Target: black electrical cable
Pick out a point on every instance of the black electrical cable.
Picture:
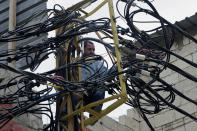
(148, 97)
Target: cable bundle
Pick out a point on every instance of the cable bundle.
(141, 55)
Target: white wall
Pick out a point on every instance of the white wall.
(169, 119)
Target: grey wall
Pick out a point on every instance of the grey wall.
(24, 9)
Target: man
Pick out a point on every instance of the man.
(94, 70)
(88, 48)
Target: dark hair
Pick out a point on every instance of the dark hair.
(87, 42)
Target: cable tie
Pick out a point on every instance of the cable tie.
(140, 56)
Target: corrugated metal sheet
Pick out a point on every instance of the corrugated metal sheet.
(24, 9)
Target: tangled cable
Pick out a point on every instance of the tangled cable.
(141, 54)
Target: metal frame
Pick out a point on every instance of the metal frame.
(122, 97)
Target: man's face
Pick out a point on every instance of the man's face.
(89, 50)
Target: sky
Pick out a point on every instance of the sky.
(172, 10)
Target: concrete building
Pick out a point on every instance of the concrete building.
(169, 119)
(24, 9)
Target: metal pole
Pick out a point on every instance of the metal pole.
(12, 25)
(116, 42)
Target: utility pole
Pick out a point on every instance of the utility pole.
(12, 25)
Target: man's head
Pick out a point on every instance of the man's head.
(88, 48)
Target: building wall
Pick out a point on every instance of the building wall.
(24, 9)
(25, 122)
(169, 119)
(108, 124)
